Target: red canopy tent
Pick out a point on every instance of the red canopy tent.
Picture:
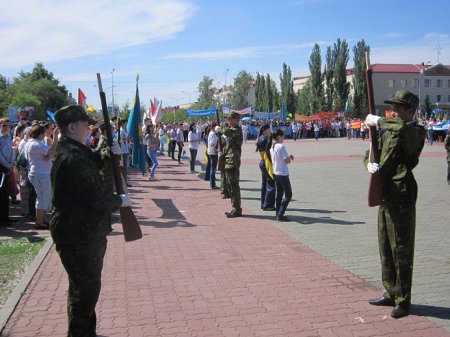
(317, 116)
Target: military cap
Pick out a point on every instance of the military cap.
(404, 97)
(234, 115)
(265, 127)
(70, 114)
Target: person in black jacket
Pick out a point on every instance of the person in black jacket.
(82, 201)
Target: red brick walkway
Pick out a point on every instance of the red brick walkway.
(197, 273)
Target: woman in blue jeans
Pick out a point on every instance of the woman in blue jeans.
(280, 160)
(152, 145)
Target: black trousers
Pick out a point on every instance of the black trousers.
(283, 194)
(83, 264)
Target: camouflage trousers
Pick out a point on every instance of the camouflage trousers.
(83, 264)
(231, 177)
(396, 236)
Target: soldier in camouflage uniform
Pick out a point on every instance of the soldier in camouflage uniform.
(232, 152)
(401, 141)
(447, 147)
(82, 203)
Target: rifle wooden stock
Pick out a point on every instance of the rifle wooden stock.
(130, 225)
(374, 194)
(221, 158)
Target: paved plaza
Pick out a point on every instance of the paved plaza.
(197, 273)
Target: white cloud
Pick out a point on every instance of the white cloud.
(50, 30)
(244, 53)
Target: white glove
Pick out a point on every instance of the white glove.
(126, 201)
(372, 120)
(220, 154)
(373, 167)
(218, 129)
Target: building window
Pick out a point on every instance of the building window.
(449, 98)
(403, 83)
(391, 83)
(427, 97)
(427, 84)
(438, 83)
(438, 98)
(415, 83)
(448, 84)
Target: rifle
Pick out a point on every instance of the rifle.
(221, 159)
(130, 225)
(374, 194)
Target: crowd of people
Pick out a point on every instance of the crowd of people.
(55, 165)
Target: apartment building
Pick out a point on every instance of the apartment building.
(421, 79)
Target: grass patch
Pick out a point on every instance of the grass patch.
(15, 256)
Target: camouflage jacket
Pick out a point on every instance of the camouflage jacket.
(233, 147)
(447, 146)
(400, 144)
(81, 199)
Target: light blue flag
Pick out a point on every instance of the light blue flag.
(134, 129)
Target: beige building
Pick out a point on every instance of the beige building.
(422, 80)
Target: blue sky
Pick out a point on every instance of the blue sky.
(172, 44)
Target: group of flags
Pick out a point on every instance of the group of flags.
(134, 124)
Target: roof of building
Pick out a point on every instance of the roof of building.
(398, 68)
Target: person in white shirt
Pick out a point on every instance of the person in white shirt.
(194, 141)
(212, 152)
(280, 160)
(162, 138)
(245, 128)
(38, 155)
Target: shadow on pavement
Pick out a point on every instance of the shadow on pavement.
(168, 224)
(430, 311)
(304, 220)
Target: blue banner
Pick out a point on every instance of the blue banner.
(195, 113)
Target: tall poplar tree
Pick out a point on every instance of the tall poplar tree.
(267, 98)
(329, 74)
(360, 102)
(206, 93)
(287, 89)
(341, 86)
(316, 90)
(259, 92)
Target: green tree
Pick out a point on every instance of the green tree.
(341, 86)
(124, 111)
(5, 96)
(329, 74)
(239, 93)
(287, 89)
(304, 99)
(23, 98)
(267, 98)
(427, 105)
(259, 92)
(40, 83)
(316, 86)
(360, 101)
(206, 93)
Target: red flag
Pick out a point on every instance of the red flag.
(152, 108)
(81, 98)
